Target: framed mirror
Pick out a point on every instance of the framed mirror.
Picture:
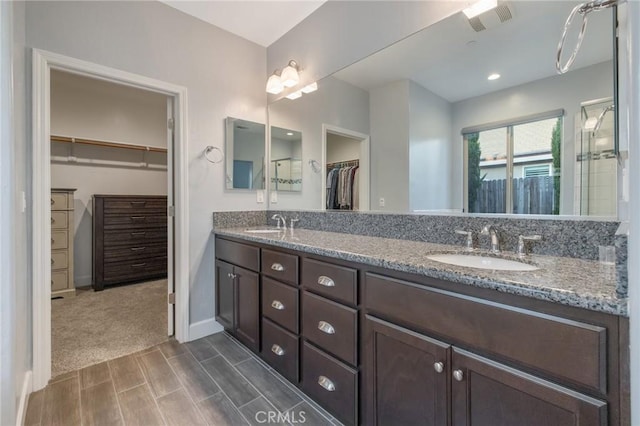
(285, 168)
(423, 100)
(245, 154)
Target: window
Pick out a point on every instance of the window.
(514, 167)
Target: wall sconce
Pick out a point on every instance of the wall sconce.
(294, 95)
(274, 83)
(310, 88)
(289, 76)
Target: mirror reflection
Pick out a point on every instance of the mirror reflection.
(244, 146)
(286, 160)
(472, 117)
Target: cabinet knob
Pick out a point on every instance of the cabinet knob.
(325, 327)
(277, 267)
(276, 304)
(439, 367)
(326, 383)
(52, 261)
(457, 374)
(326, 281)
(277, 349)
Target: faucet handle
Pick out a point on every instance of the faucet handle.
(469, 236)
(522, 243)
(292, 221)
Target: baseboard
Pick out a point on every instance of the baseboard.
(204, 328)
(24, 398)
(85, 281)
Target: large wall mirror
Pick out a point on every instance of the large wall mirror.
(471, 116)
(245, 155)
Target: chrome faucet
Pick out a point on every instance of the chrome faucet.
(280, 219)
(493, 233)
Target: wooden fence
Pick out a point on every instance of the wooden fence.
(532, 195)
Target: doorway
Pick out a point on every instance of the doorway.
(44, 63)
(347, 151)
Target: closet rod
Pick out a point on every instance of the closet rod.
(348, 163)
(67, 139)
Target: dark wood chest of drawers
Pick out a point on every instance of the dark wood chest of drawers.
(129, 239)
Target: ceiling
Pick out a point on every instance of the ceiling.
(262, 22)
(453, 61)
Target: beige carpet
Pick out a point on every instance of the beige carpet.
(97, 326)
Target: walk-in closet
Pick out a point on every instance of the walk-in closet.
(342, 173)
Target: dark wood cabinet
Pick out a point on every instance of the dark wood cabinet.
(237, 303)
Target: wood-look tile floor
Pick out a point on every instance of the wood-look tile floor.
(211, 381)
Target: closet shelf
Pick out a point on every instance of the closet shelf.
(68, 139)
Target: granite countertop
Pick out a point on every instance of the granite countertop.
(574, 282)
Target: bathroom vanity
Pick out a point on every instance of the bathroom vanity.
(378, 334)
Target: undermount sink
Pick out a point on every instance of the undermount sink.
(482, 262)
(262, 231)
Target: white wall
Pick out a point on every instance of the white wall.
(389, 115)
(224, 75)
(336, 103)
(429, 154)
(342, 148)
(562, 91)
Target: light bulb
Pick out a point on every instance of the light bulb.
(289, 76)
(274, 84)
(294, 95)
(310, 88)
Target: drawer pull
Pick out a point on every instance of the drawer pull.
(138, 248)
(439, 367)
(457, 374)
(53, 221)
(276, 349)
(276, 304)
(52, 261)
(140, 218)
(326, 383)
(326, 281)
(325, 327)
(138, 203)
(138, 234)
(277, 267)
(53, 201)
(138, 265)
(232, 276)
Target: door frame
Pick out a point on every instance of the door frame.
(42, 63)
(364, 163)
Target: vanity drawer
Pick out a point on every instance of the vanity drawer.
(59, 280)
(60, 200)
(59, 240)
(59, 220)
(278, 265)
(335, 282)
(239, 254)
(59, 259)
(280, 304)
(330, 383)
(280, 350)
(572, 351)
(331, 326)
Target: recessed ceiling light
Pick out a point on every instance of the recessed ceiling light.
(479, 7)
(493, 76)
(289, 133)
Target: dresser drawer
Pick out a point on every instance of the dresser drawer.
(239, 254)
(59, 259)
(134, 252)
(330, 383)
(331, 326)
(278, 265)
(280, 350)
(135, 269)
(135, 220)
(59, 220)
(60, 200)
(59, 280)
(135, 205)
(569, 350)
(134, 237)
(280, 304)
(59, 240)
(335, 282)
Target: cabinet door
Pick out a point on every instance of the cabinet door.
(406, 376)
(248, 307)
(485, 392)
(225, 295)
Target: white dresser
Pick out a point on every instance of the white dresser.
(62, 284)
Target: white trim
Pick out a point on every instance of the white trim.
(204, 328)
(365, 158)
(42, 63)
(24, 398)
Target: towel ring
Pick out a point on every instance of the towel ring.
(315, 166)
(215, 159)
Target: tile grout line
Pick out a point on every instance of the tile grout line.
(113, 384)
(153, 397)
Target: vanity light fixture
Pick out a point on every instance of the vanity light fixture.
(274, 84)
(493, 76)
(294, 95)
(479, 7)
(289, 76)
(310, 88)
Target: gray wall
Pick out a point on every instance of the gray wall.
(336, 103)
(223, 73)
(564, 91)
(340, 33)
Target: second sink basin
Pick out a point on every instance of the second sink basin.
(482, 262)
